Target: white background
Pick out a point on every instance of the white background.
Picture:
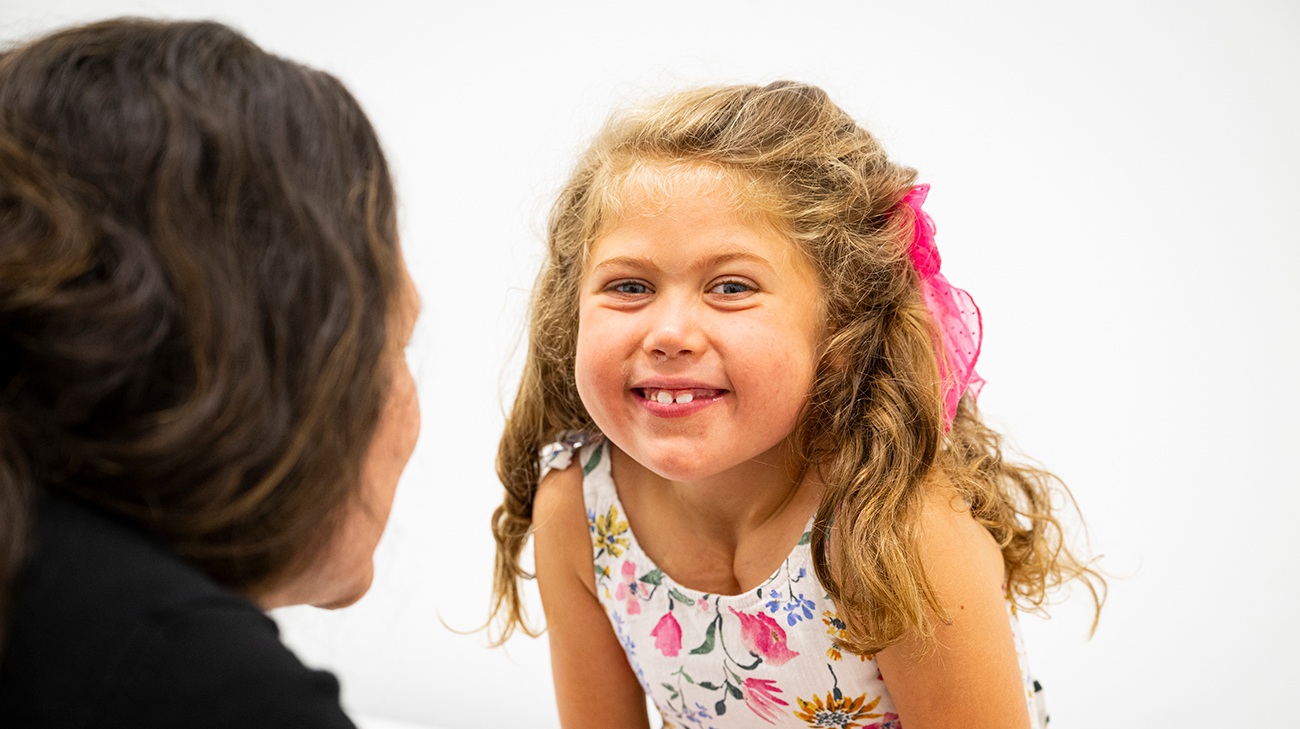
(1114, 181)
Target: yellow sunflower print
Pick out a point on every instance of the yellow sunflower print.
(836, 629)
(841, 713)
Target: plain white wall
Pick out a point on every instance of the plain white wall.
(1115, 182)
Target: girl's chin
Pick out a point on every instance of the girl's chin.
(692, 458)
(681, 463)
(679, 474)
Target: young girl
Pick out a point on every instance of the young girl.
(753, 396)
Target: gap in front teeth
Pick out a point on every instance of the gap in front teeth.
(663, 397)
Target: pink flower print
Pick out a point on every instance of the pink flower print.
(668, 635)
(890, 721)
(764, 638)
(627, 589)
(760, 697)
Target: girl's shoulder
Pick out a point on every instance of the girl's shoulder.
(948, 537)
(951, 542)
(560, 490)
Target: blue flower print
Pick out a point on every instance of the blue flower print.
(698, 715)
(775, 603)
(796, 608)
(628, 644)
(799, 608)
(640, 675)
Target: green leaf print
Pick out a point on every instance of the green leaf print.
(653, 577)
(679, 597)
(806, 538)
(733, 673)
(709, 685)
(592, 462)
(735, 692)
(709, 635)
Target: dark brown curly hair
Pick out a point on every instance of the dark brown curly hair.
(198, 264)
(873, 425)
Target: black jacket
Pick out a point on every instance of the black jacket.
(110, 629)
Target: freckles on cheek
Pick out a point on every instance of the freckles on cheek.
(581, 365)
(587, 365)
(595, 374)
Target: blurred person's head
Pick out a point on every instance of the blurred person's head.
(203, 305)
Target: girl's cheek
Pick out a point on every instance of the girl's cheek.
(585, 368)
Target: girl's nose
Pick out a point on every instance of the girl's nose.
(674, 333)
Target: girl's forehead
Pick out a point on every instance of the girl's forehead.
(650, 189)
(647, 191)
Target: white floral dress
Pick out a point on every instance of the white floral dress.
(764, 657)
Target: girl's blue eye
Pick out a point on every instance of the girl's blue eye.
(633, 288)
(731, 287)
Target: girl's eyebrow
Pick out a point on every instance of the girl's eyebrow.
(645, 264)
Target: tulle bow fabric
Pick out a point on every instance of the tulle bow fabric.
(955, 314)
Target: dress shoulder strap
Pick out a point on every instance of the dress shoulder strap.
(558, 455)
(591, 452)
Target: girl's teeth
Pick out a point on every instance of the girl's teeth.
(664, 397)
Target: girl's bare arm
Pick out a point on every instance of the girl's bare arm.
(594, 685)
(971, 676)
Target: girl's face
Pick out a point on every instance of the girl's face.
(699, 331)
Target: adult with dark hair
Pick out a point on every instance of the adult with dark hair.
(204, 404)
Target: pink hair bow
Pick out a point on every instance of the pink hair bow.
(956, 316)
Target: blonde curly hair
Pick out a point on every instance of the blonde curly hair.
(872, 428)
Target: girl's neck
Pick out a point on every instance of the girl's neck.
(723, 534)
(772, 487)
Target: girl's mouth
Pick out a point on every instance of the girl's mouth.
(679, 397)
